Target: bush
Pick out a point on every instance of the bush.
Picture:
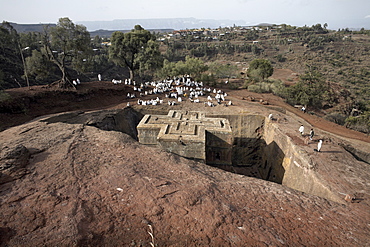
(360, 123)
(233, 86)
(336, 117)
(277, 87)
(208, 78)
(261, 87)
(11, 105)
(260, 69)
(4, 96)
(280, 58)
(272, 86)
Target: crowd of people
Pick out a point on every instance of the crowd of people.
(175, 91)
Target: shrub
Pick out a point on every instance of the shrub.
(4, 96)
(233, 86)
(208, 78)
(280, 58)
(360, 123)
(10, 105)
(260, 87)
(272, 86)
(336, 117)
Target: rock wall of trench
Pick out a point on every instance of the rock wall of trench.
(262, 150)
(288, 163)
(248, 139)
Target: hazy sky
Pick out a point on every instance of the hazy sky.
(336, 13)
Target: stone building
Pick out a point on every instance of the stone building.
(189, 134)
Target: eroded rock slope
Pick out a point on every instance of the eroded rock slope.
(78, 185)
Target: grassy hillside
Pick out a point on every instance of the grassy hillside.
(329, 71)
(340, 57)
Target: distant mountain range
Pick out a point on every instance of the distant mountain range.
(160, 23)
(106, 28)
(108, 33)
(24, 28)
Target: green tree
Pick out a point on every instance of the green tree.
(10, 57)
(359, 123)
(150, 59)
(191, 66)
(132, 49)
(194, 67)
(223, 70)
(31, 40)
(39, 66)
(168, 70)
(66, 45)
(260, 69)
(100, 60)
(311, 90)
(251, 35)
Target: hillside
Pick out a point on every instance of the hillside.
(338, 59)
(342, 58)
(329, 70)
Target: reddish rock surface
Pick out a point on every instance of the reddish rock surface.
(85, 186)
(78, 185)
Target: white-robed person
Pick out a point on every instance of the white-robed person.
(301, 129)
(319, 145)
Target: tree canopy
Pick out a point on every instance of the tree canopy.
(10, 58)
(65, 45)
(134, 50)
(260, 69)
(311, 90)
(192, 66)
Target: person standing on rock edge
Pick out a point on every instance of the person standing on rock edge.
(301, 129)
(303, 109)
(319, 145)
(312, 133)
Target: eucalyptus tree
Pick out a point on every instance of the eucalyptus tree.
(260, 69)
(66, 45)
(136, 50)
(11, 57)
(311, 90)
(193, 67)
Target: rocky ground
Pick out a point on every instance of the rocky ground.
(68, 181)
